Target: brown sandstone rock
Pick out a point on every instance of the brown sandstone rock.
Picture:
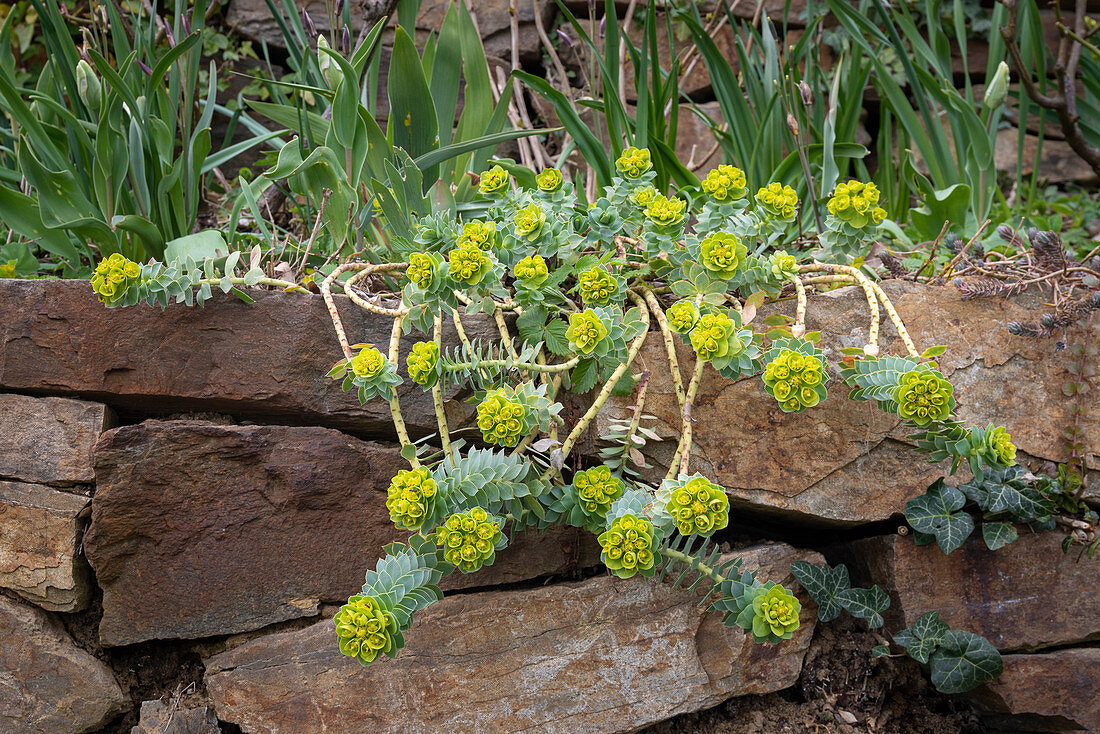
(49, 685)
(1025, 596)
(160, 718)
(48, 440)
(1049, 692)
(40, 533)
(200, 529)
(269, 357)
(600, 655)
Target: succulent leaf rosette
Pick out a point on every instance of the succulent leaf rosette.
(770, 613)
(596, 489)
(549, 180)
(368, 371)
(794, 374)
(725, 184)
(482, 235)
(997, 446)
(494, 182)
(628, 546)
(469, 264)
(423, 270)
(411, 498)
(778, 201)
(503, 420)
(634, 163)
(469, 540)
(597, 286)
(712, 336)
(113, 277)
(531, 271)
(366, 630)
(698, 506)
(642, 195)
(682, 316)
(529, 222)
(923, 396)
(423, 363)
(665, 213)
(784, 265)
(587, 332)
(722, 254)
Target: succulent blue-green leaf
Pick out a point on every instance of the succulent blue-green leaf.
(866, 604)
(936, 512)
(209, 243)
(824, 584)
(964, 661)
(923, 636)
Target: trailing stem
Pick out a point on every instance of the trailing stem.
(395, 405)
(684, 558)
(330, 302)
(437, 394)
(670, 345)
(683, 450)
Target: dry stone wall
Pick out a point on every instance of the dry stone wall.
(187, 485)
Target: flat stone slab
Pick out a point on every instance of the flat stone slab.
(1025, 596)
(48, 440)
(601, 655)
(157, 717)
(265, 358)
(40, 532)
(47, 684)
(201, 529)
(1047, 692)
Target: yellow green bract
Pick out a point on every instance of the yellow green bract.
(778, 200)
(409, 496)
(493, 182)
(628, 546)
(784, 265)
(642, 196)
(712, 335)
(469, 264)
(924, 396)
(775, 613)
(722, 254)
(597, 489)
(856, 203)
(368, 363)
(999, 444)
(482, 235)
(529, 221)
(365, 629)
(421, 270)
(796, 380)
(597, 286)
(113, 276)
(422, 361)
(665, 212)
(724, 184)
(502, 421)
(469, 539)
(634, 162)
(532, 271)
(586, 330)
(682, 316)
(699, 507)
(549, 180)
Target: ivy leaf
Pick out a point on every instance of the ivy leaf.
(880, 651)
(824, 584)
(964, 661)
(920, 538)
(866, 604)
(923, 636)
(936, 512)
(998, 534)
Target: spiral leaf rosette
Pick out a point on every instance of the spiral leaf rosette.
(795, 375)
(596, 489)
(368, 371)
(366, 630)
(698, 506)
(423, 363)
(469, 540)
(113, 277)
(494, 182)
(634, 163)
(628, 546)
(997, 446)
(411, 498)
(725, 184)
(923, 396)
(778, 201)
(722, 254)
(597, 286)
(769, 612)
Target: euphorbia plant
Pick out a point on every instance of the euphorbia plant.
(574, 290)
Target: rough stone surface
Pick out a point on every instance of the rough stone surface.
(1058, 163)
(269, 357)
(47, 684)
(40, 533)
(158, 717)
(847, 462)
(1050, 692)
(600, 655)
(48, 440)
(1027, 595)
(200, 529)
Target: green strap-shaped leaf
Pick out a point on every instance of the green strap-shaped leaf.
(824, 584)
(21, 214)
(964, 661)
(936, 512)
(923, 636)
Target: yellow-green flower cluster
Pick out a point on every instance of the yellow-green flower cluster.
(549, 180)
(365, 630)
(7, 270)
(775, 614)
(856, 203)
(597, 489)
(682, 316)
(796, 380)
(532, 271)
(724, 184)
(699, 507)
(529, 221)
(502, 421)
(368, 363)
(628, 546)
(469, 264)
(924, 396)
(422, 362)
(784, 265)
(597, 286)
(778, 201)
(482, 235)
(113, 276)
(494, 182)
(410, 495)
(634, 163)
(469, 539)
(586, 330)
(641, 197)
(421, 270)
(665, 212)
(722, 254)
(997, 444)
(712, 335)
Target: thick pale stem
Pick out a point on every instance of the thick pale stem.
(868, 292)
(395, 405)
(896, 320)
(364, 304)
(670, 345)
(799, 328)
(461, 331)
(683, 450)
(437, 395)
(505, 334)
(273, 282)
(330, 302)
(687, 560)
